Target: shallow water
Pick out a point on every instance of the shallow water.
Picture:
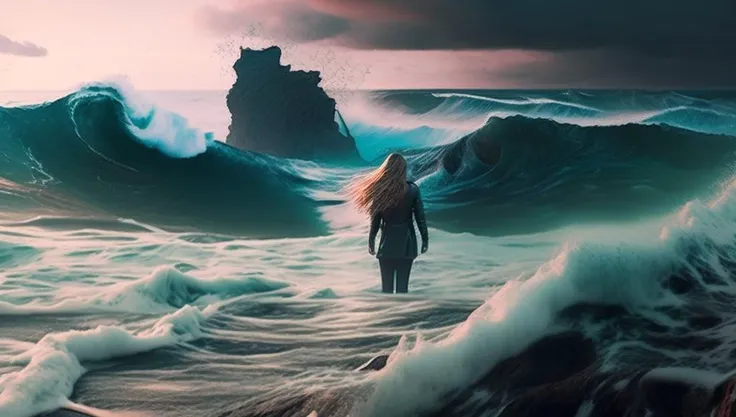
(296, 310)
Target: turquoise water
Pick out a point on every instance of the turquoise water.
(138, 319)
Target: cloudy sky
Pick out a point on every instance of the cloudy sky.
(191, 44)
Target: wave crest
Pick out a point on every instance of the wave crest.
(152, 126)
(162, 291)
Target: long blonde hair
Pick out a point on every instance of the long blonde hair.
(381, 189)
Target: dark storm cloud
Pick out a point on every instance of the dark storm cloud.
(10, 47)
(492, 24)
(607, 68)
(662, 42)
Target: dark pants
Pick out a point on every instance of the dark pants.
(395, 270)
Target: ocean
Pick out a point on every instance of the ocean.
(147, 269)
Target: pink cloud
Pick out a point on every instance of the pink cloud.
(286, 19)
(11, 47)
(362, 11)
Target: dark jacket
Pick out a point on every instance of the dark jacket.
(398, 237)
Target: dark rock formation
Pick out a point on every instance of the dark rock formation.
(550, 359)
(282, 112)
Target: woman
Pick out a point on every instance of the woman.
(391, 201)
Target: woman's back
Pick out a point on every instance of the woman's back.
(398, 237)
(403, 211)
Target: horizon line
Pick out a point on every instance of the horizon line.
(193, 90)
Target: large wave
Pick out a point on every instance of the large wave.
(102, 152)
(520, 174)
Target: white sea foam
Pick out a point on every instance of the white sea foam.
(154, 126)
(55, 363)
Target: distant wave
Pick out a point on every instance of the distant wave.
(542, 105)
(460, 110)
(702, 120)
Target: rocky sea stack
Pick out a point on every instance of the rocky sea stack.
(282, 112)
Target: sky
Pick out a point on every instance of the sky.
(372, 44)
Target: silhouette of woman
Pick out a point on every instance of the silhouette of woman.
(392, 201)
